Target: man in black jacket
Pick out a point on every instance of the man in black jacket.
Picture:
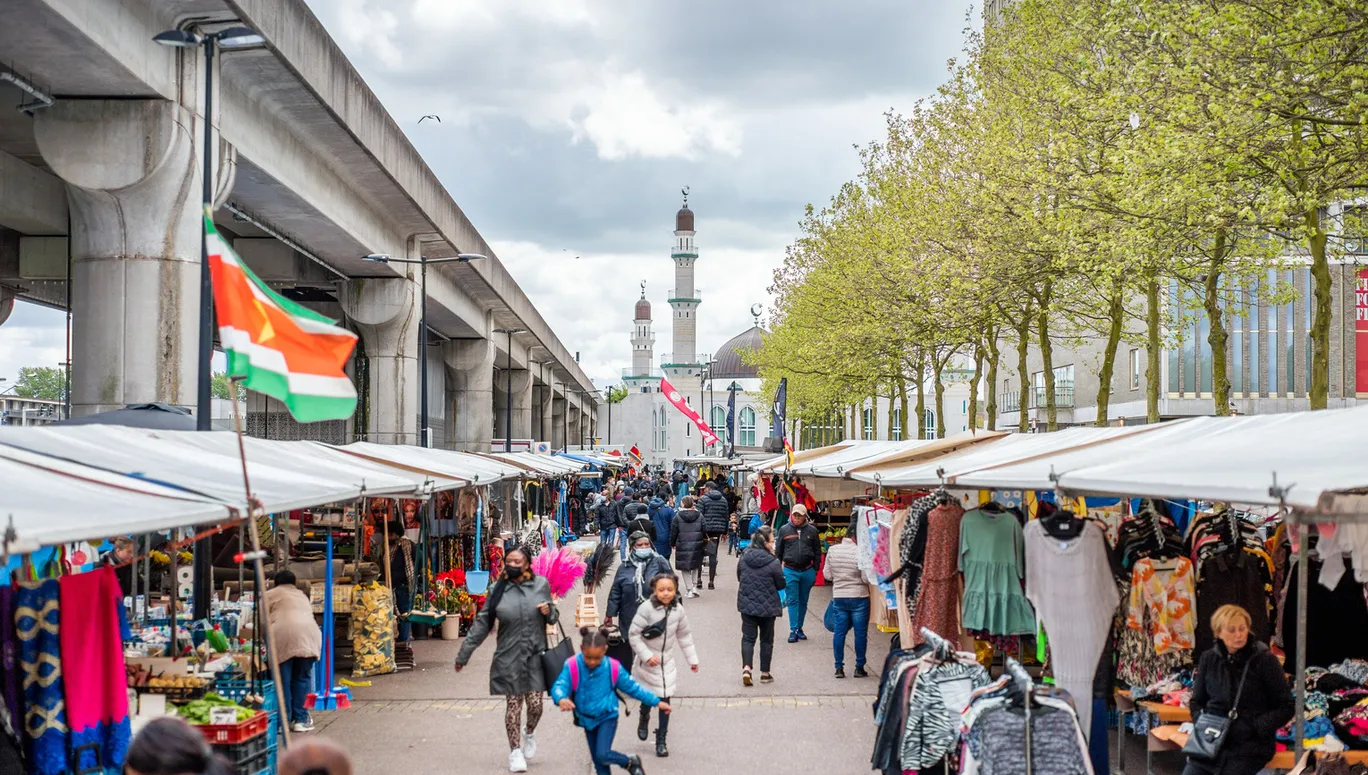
(716, 520)
(799, 550)
(606, 513)
(638, 515)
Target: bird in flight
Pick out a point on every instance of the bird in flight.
(435, 117)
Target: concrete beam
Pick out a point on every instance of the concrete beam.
(31, 201)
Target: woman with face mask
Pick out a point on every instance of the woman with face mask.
(521, 604)
(631, 588)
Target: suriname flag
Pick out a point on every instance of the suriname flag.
(276, 346)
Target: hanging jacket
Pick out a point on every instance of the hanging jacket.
(663, 679)
(661, 516)
(760, 578)
(687, 538)
(716, 513)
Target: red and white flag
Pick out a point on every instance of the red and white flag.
(673, 396)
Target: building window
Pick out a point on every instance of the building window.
(929, 424)
(747, 431)
(896, 432)
(719, 423)
(869, 423)
(1135, 369)
(655, 431)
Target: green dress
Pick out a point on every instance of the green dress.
(992, 559)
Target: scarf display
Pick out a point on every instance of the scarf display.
(9, 653)
(93, 624)
(36, 621)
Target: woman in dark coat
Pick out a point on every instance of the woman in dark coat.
(521, 603)
(687, 536)
(1265, 704)
(757, 598)
(632, 587)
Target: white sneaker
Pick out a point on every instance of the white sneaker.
(516, 761)
(529, 746)
(307, 726)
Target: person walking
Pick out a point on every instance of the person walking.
(800, 549)
(632, 587)
(662, 515)
(588, 686)
(606, 513)
(688, 538)
(624, 497)
(849, 601)
(639, 517)
(660, 625)
(1240, 678)
(400, 552)
(298, 644)
(759, 578)
(521, 605)
(716, 518)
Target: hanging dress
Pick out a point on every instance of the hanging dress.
(992, 558)
(938, 601)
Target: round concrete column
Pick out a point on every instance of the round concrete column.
(386, 313)
(470, 368)
(522, 400)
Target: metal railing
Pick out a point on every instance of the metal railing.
(1009, 402)
(1064, 397)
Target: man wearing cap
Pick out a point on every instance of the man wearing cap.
(800, 549)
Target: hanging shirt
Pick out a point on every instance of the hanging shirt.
(1168, 593)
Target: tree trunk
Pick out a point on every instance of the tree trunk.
(940, 396)
(1152, 349)
(902, 406)
(1116, 312)
(974, 386)
(921, 396)
(1047, 360)
(1320, 321)
(1023, 330)
(1217, 338)
(990, 393)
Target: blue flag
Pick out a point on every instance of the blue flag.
(731, 423)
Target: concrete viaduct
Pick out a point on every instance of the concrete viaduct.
(100, 148)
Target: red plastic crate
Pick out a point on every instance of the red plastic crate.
(223, 734)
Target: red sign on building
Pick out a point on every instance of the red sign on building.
(1361, 330)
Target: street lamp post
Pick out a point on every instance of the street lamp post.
(233, 37)
(463, 258)
(508, 388)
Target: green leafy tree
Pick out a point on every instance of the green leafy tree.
(617, 394)
(45, 382)
(220, 386)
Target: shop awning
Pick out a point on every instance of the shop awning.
(546, 465)
(595, 463)
(1034, 474)
(1011, 448)
(474, 469)
(1312, 454)
(709, 460)
(50, 501)
(888, 454)
(172, 460)
(780, 462)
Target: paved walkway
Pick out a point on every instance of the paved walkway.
(432, 719)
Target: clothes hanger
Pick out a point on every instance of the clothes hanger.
(1062, 524)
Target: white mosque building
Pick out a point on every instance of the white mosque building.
(645, 419)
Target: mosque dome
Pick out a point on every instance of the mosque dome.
(684, 219)
(730, 364)
(643, 308)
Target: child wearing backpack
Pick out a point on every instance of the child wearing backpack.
(588, 685)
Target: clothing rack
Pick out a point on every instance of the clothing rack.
(1026, 686)
(944, 649)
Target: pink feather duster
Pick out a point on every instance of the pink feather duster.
(561, 568)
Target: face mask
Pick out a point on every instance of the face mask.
(642, 554)
(511, 573)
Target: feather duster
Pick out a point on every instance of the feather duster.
(599, 563)
(561, 568)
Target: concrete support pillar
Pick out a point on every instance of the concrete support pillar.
(133, 185)
(574, 427)
(522, 400)
(6, 304)
(386, 312)
(558, 422)
(548, 413)
(592, 423)
(470, 368)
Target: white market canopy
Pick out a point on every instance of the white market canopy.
(781, 462)
(198, 466)
(708, 460)
(470, 468)
(546, 465)
(49, 501)
(1011, 448)
(1312, 455)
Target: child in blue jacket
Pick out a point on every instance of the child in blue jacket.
(588, 685)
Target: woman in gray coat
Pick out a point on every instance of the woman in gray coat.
(521, 603)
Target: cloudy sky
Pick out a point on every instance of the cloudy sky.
(568, 129)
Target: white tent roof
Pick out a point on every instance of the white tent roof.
(169, 458)
(807, 455)
(1311, 453)
(542, 464)
(50, 501)
(836, 462)
(1007, 449)
(1034, 474)
(474, 469)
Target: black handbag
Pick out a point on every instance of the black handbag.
(657, 628)
(553, 659)
(1209, 730)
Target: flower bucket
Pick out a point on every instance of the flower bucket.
(451, 628)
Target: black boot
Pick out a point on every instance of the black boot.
(644, 724)
(634, 765)
(661, 750)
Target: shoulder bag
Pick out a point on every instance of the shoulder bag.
(553, 659)
(1209, 730)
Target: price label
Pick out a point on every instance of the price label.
(219, 716)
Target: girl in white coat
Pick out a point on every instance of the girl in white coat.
(659, 626)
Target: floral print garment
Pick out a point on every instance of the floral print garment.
(1169, 595)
